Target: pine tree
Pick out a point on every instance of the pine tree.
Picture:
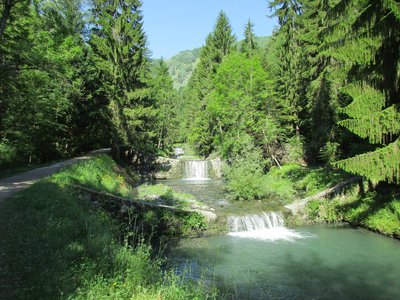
(249, 45)
(165, 97)
(219, 43)
(290, 83)
(374, 84)
(119, 43)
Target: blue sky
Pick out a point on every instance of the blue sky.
(175, 25)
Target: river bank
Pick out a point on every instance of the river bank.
(55, 245)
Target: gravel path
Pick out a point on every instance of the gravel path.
(11, 185)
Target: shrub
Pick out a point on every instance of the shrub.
(8, 153)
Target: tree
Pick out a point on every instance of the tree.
(165, 97)
(119, 44)
(249, 44)
(374, 85)
(219, 43)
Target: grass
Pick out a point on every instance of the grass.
(308, 181)
(279, 185)
(166, 195)
(376, 211)
(99, 173)
(55, 246)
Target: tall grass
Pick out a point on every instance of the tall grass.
(54, 246)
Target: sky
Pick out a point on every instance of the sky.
(175, 25)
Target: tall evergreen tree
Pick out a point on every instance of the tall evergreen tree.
(249, 44)
(374, 85)
(165, 96)
(219, 43)
(119, 43)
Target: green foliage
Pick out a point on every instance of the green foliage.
(46, 83)
(192, 222)
(373, 112)
(324, 211)
(8, 154)
(166, 104)
(247, 181)
(249, 44)
(121, 58)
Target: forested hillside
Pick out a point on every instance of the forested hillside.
(182, 64)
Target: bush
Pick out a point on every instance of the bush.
(8, 154)
(247, 181)
(245, 176)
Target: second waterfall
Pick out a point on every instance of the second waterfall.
(197, 170)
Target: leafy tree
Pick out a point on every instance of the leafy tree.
(40, 55)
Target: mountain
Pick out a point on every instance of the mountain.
(182, 64)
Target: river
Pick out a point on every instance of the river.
(263, 259)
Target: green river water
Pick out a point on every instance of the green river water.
(308, 262)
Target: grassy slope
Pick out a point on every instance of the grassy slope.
(379, 212)
(54, 246)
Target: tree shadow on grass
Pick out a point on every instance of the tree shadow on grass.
(50, 243)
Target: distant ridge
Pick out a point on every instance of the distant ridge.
(182, 64)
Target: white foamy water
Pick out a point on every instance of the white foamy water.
(271, 234)
(196, 170)
(262, 226)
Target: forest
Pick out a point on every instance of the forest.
(321, 95)
(325, 90)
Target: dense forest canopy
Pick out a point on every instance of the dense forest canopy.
(323, 90)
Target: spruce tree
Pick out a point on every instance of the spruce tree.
(372, 51)
(119, 43)
(249, 45)
(219, 43)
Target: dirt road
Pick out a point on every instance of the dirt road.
(11, 185)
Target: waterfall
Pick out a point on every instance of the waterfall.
(256, 222)
(196, 169)
(263, 226)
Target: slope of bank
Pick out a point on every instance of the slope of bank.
(333, 196)
(378, 210)
(54, 245)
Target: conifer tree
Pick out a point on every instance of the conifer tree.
(290, 80)
(372, 51)
(219, 43)
(119, 43)
(165, 96)
(249, 45)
